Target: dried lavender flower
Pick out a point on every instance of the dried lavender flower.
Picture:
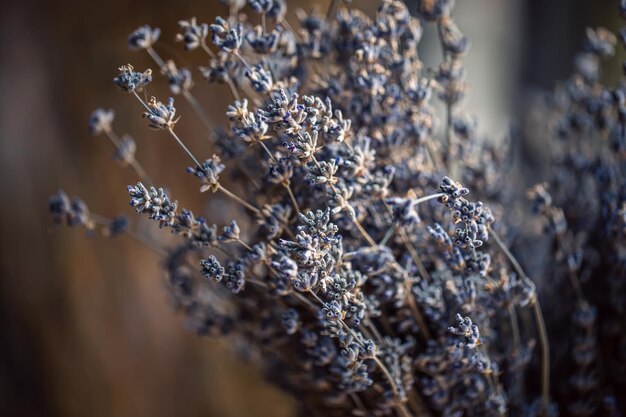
(100, 121)
(125, 151)
(226, 37)
(143, 37)
(131, 81)
(153, 202)
(209, 173)
(161, 116)
(179, 78)
(193, 35)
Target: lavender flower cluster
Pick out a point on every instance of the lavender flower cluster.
(357, 273)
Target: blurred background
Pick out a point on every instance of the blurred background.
(86, 327)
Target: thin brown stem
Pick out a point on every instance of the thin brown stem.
(414, 255)
(208, 50)
(364, 233)
(155, 57)
(187, 151)
(244, 244)
(359, 404)
(233, 89)
(515, 328)
(292, 197)
(267, 151)
(141, 172)
(197, 108)
(238, 200)
(242, 60)
(331, 9)
(545, 355)
(143, 103)
(410, 297)
(368, 321)
(389, 233)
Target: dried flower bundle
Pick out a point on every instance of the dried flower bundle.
(366, 269)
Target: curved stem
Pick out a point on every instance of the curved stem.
(545, 355)
(540, 323)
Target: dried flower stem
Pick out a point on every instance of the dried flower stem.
(573, 278)
(143, 103)
(540, 323)
(292, 197)
(331, 9)
(448, 141)
(195, 105)
(238, 199)
(516, 342)
(410, 297)
(545, 355)
(364, 233)
(233, 89)
(155, 56)
(399, 406)
(358, 403)
(182, 145)
(414, 255)
(105, 221)
(389, 233)
(267, 151)
(242, 60)
(370, 324)
(514, 328)
(208, 50)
